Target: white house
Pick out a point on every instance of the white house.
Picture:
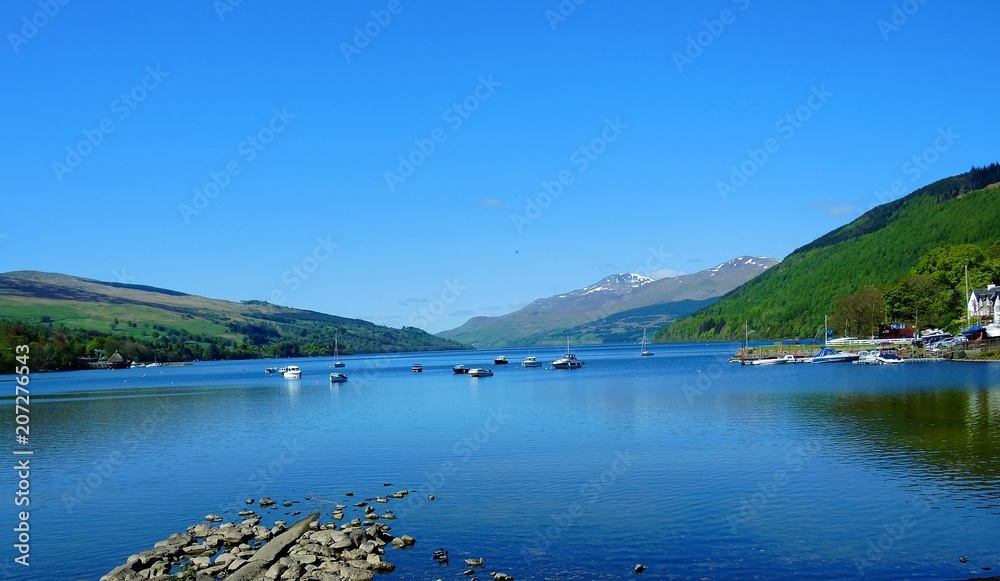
(984, 303)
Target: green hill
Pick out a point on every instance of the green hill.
(879, 249)
(67, 317)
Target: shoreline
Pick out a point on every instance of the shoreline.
(308, 549)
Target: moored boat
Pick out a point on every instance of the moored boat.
(889, 357)
(460, 369)
(417, 368)
(531, 361)
(568, 361)
(270, 370)
(292, 372)
(500, 360)
(828, 355)
(643, 352)
(338, 377)
(480, 372)
(774, 360)
(336, 353)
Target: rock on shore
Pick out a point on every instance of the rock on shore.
(247, 551)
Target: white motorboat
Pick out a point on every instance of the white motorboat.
(828, 355)
(868, 357)
(417, 368)
(338, 377)
(480, 372)
(568, 361)
(774, 360)
(292, 372)
(531, 361)
(643, 352)
(889, 357)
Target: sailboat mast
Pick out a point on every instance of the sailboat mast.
(968, 298)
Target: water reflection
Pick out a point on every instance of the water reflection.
(948, 436)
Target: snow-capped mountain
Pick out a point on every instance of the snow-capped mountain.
(594, 310)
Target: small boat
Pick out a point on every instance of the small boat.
(500, 360)
(337, 378)
(292, 372)
(889, 357)
(774, 360)
(828, 355)
(643, 352)
(568, 361)
(336, 353)
(480, 372)
(417, 368)
(460, 369)
(867, 357)
(531, 361)
(270, 370)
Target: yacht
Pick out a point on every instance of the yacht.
(774, 360)
(568, 361)
(500, 360)
(460, 369)
(336, 353)
(643, 351)
(531, 361)
(417, 368)
(868, 358)
(292, 372)
(889, 357)
(828, 355)
(480, 372)
(338, 377)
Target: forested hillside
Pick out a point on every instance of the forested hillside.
(879, 250)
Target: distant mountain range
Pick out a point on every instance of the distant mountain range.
(879, 248)
(615, 309)
(173, 325)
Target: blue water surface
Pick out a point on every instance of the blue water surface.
(692, 466)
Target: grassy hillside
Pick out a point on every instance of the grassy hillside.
(81, 315)
(878, 249)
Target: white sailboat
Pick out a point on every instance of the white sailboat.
(336, 353)
(643, 351)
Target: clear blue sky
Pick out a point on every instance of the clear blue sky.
(641, 108)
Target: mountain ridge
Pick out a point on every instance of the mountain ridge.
(592, 312)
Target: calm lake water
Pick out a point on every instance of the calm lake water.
(692, 466)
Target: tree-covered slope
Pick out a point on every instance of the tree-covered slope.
(878, 249)
(73, 317)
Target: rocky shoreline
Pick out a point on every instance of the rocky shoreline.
(308, 549)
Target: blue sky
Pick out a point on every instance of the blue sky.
(405, 175)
